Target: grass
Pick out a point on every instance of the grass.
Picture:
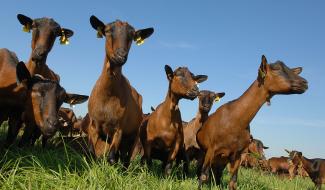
(64, 168)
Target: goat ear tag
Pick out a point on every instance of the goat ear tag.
(64, 40)
(26, 28)
(99, 32)
(139, 41)
(217, 99)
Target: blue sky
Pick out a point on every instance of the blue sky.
(224, 40)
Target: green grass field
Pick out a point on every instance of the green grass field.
(64, 168)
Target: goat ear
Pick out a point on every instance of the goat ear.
(297, 70)
(23, 75)
(152, 109)
(97, 25)
(262, 70)
(265, 147)
(25, 21)
(200, 78)
(169, 72)
(287, 151)
(218, 96)
(73, 99)
(67, 32)
(142, 34)
(299, 154)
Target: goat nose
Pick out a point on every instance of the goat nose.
(52, 122)
(121, 52)
(38, 52)
(195, 88)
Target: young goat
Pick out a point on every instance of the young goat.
(164, 131)
(206, 99)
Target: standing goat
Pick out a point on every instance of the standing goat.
(225, 134)
(115, 107)
(163, 136)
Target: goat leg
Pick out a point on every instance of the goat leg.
(114, 147)
(206, 167)
(27, 136)
(146, 152)
(233, 170)
(14, 125)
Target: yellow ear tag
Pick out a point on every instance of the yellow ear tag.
(99, 32)
(64, 40)
(139, 41)
(217, 99)
(26, 28)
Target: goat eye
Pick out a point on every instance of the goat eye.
(38, 94)
(276, 68)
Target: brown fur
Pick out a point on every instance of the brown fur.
(164, 132)
(69, 122)
(225, 134)
(206, 99)
(254, 155)
(115, 107)
(278, 165)
(43, 99)
(314, 167)
(12, 97)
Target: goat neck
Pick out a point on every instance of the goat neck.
(250, 102)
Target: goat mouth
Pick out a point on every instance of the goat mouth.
(205, 108)
(299, 89)
(49, 130)
(37, 58)
(119, 60)
(191, 95)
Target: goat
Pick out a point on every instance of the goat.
(314, 167)
(163, 137)
(225, 134)
(115, 107)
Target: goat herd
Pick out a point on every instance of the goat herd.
(30, 95)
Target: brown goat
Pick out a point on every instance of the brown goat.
(115, 107)
(254, 155)
(278, 165)
(225, 134)
(138, 148)
(68, 121)
(42, 96)
(162, 138)
(206, 99)
(45, 31)
(67, 124)
(314, 167)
